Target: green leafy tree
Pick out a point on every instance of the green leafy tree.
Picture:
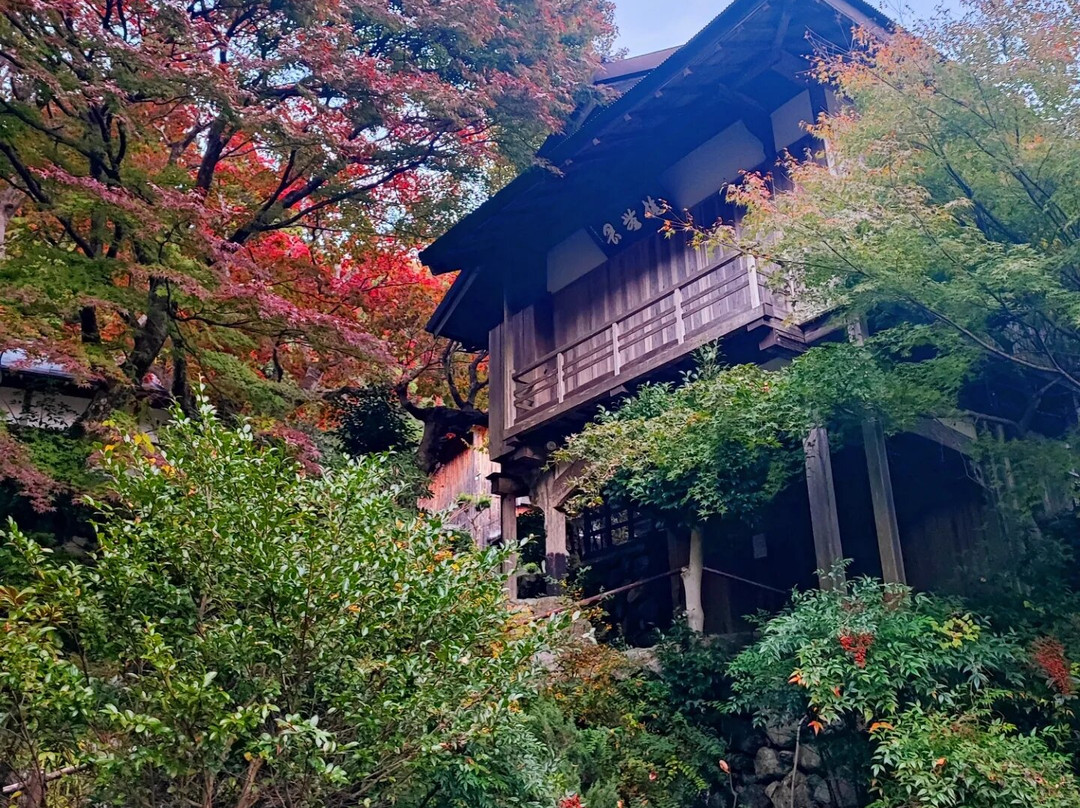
(369, 420)
(935, 759)
(250, 635)
(634, 737)
(949, 198)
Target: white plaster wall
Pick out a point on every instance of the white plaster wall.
(718, 160)
(789, 118)
(54, 411)
(571, 258)
(46, 410)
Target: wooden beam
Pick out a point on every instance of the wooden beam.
(528, 455)
(823, 514)
(506, 372)
(946, 434)
(881, 489)
(565, 483)
(503, 483)
(783, 341)
(881, 494)
(497, 398)
(782, 26)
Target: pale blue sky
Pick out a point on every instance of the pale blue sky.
(648, 25)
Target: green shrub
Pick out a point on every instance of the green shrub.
(631, 737)
(246, 631)
(925, 684)
(932, 758)
(370, 420)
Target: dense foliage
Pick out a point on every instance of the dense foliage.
(236, 190)
(635, 737)
(370, 420)
(935, 691)
(249, 635)
(949, 199)
(726, 440)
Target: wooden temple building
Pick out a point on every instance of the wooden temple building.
(566, 280)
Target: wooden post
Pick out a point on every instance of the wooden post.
(680, 323)
(616, 365)
(823, 515)
(678, 549)
(508, 529)
(691, 576)
(554, 531)
(509, 393)
(755, 282)
(881, 490)
(881, 493)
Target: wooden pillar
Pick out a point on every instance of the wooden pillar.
(678, 548)
(881, 490)
(554, 532)
(555, 547)
(881, 493)
(508, 529)
(823, 515)
(691, 575)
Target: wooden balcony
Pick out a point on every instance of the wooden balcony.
(725, 296)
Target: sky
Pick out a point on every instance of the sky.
(649, 25)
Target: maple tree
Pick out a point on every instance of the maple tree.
(948, 202)
(234, 189)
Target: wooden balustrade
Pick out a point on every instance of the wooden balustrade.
(702, 307)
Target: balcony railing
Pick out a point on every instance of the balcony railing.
(704, 306)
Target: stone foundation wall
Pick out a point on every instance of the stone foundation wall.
(781, 767)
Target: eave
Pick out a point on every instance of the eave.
(660, 94)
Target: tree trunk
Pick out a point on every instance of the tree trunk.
(181, 389)
(88, 325)
(151, 336)
(9, 204)
(691, 575)
(111, 397)
(442, 425)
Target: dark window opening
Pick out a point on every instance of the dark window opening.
(604, 528)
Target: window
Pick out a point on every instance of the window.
(598, 530)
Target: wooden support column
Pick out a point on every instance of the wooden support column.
(508, 529)
(554, 531)
(881, 492)
(678, 549)
(691, 575)
(823, 515)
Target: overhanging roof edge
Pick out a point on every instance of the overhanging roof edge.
(451, 251)
(438, 257)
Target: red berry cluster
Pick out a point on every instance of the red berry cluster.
(573, 801)
(857, 645)
(1049, 655)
